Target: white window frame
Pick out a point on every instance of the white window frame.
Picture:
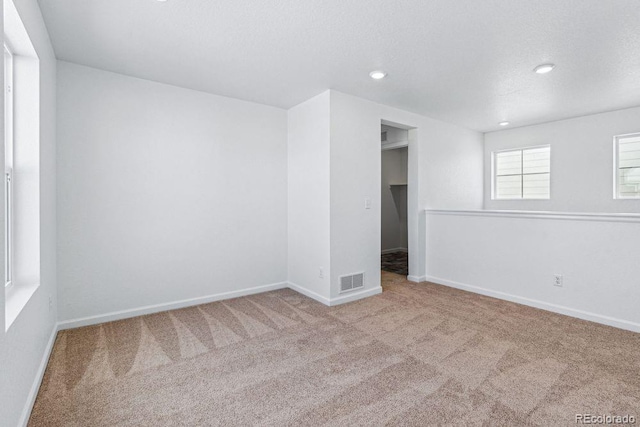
(494, 192)
(616, 166)
(8, 170)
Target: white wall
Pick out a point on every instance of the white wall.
(24, 346)
(335, 164)
(445, 171)
(164, 194)
(308, 196)
(393, 201)
(581, 162)
(515, 257)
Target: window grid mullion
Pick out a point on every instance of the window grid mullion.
(500, 189)
(522, 174)
(621, 181)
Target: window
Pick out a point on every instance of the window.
(22, 165)
(8, 164)
(627, 166)
(522, 174)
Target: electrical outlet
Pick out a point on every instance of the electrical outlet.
(321, 273)
(557, 280)
(50, 303)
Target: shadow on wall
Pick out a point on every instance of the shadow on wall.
(394, 199)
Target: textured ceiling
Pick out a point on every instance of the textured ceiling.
(467, 62)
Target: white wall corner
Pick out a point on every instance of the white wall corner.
(33, 392)
(308, 293)
(342, 299)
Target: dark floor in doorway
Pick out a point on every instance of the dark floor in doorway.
(396, 262)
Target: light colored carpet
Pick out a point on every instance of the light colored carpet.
(417, 354)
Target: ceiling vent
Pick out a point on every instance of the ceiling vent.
(351, 282)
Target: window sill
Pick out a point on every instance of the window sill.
(16, 298)
(523, 199)
(574, 216)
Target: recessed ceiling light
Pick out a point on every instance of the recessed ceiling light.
(504, 123)
(377, 75)
(544, 68)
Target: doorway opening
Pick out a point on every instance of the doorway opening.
(394, 144)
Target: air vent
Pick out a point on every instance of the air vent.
(351, 282)
(384, 136)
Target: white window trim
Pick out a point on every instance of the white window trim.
(8, 172)
(26, 228)
(616, 166)
(493, 173)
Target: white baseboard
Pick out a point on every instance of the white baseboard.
(353, 296)
(124, 314)
(567, 311)
(140, 311)
(33, 393)
(306, 292)
(392, 250)
(342, 299)
(35, 387)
